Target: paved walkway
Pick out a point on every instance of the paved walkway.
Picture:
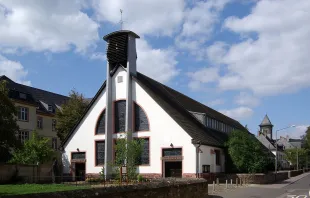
(296, 184)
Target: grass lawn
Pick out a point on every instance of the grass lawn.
(19, 189)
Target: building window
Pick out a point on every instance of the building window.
(22, 96)
(218, 157)
(144, 159)
(100, 129)
(50, 108)
(54, 143)
(22, 113)
(100, 152)
(23, 136)
(39, 122)
(120, 115)
(205, 168)
(172, 152)
(54, 122)
(141, 121)
(78, 155)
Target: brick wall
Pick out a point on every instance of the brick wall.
(184, 189)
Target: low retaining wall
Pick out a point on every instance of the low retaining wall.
(167, 189)
(260, 178)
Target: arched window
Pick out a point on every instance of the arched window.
(120, 115)
(100, 128)
(141, 121)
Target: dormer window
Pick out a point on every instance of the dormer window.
(50, 108)
(22, 96)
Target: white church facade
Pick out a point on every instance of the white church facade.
(183, 138)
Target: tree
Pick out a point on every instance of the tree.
(247, 153)
(71, 112)
(291, 156)
(8, 125)
(35, 150)
(306, 138)
(129, 153)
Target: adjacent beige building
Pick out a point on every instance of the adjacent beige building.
(36, 110)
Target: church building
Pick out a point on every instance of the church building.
(183, 138)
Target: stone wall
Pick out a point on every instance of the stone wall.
(294, 173)
(163, 189)
(25, 173)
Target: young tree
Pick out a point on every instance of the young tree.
(247, 153)
(35, 150)
(306, 138)
(8, 125)
(129, 153)
(70, 114)
(291, 156)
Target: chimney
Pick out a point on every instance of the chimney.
(121, 52)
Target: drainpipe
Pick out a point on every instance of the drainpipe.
(197, 146)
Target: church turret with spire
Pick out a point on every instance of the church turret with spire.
(266, 127)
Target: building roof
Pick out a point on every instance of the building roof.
(34, 96)
(178, 105)
(266, 121)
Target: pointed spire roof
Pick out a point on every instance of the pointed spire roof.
(266, 121)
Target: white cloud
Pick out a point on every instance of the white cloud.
(204, 75)
(246, 99)
(198, 25)
(273, 58)
(295, 132)
(216, 102)
(142, 16)
(159, 64)
(13, 70)
(98, 56)
(238, 113)
(54, 26)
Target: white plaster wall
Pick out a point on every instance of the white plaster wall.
(163, 131)
(206, 158)
(119, 89)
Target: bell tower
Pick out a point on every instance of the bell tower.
(121, 52)
(266, 127)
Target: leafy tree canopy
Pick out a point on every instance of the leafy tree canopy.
(247, 153)
(306, 138)
(71, 112)
(36, 149)
(8, 125)
(291, 156)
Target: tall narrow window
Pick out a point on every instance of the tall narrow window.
(144, 159)
(100, 129)
(100, 151)
(22, 113)
(120, 115)
(54, 125)
(39, 122)
(218, 157)
(141, 121)
(54, 143)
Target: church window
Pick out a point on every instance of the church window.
(120, 115)
(218, 157)
(100, 128)
(100, 152)
(144, 159)
(141, 120)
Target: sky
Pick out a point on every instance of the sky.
(243, 58)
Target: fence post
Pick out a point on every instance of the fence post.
(236, 181)
(213, 186)
(217, 181)
(226, 184)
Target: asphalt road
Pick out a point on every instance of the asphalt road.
(298, 189)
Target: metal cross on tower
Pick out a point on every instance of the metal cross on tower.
(121, 21)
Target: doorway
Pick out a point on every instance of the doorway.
(173, 169)
(79, 171)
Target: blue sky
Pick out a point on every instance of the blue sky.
(242, 58)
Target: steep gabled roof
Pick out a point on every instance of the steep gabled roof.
(266, 121)
(34, 95)
(178, 105)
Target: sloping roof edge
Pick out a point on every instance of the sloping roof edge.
(84, 113)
